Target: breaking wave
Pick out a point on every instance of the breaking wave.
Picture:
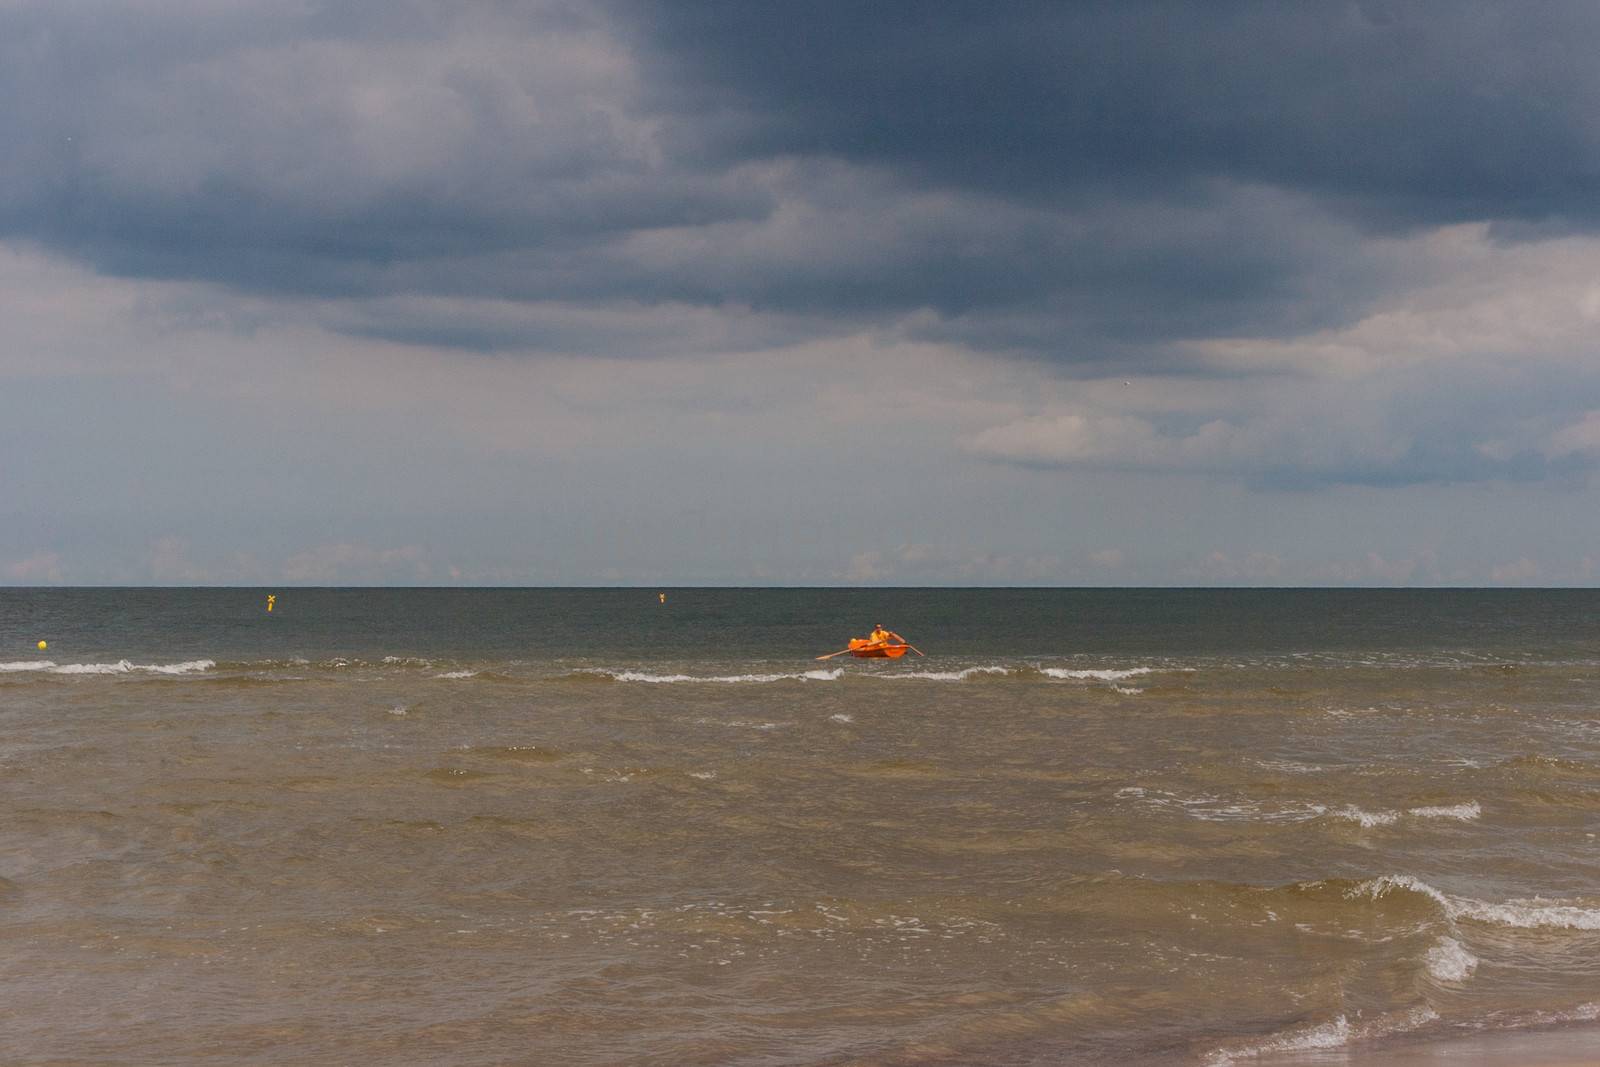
(1448, 961)
(1210, 808)
(950, 676)
(1335, 1033)
(1529, 913)
(1108, 675)
(890, 674)
(722, 679)
(193, 666)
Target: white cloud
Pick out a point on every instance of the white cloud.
(1254, 568)
(1109, 558)
(1517, 572)
(41, 568)
(1581, 437)
(346, 563)
(170, 563)
(1479, 371)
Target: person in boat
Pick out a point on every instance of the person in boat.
(880, 636)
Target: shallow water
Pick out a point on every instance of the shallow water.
(584, 827)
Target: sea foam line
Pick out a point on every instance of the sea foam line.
(1108, 675)
(948, 676)
(120, 667)
(722, 679)
(1336, 1033)
(1528, 913)
(1209, 808)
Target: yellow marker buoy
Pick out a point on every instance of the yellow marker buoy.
(271, 597)
(43, 646)
(663, 597)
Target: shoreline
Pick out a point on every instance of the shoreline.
(1576, 1045)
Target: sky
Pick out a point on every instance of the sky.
(729, 293)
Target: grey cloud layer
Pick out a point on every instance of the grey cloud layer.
(1412, 112)
(1016, 161)
(1096, 186)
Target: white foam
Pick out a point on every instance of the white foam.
(119, 667)
(1288, 766)
(841, 717)
(721, 679)
(1528, 913)
(27, 665)
(1448, 961)
(457, 674)
(1098, 675)
(1583, 1013)
(950, 676)
(1463, 812)
(1208, 808)
(1336, 1033)
(192, 666)
(1367, 819)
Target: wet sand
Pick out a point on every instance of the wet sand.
(1578, 1047)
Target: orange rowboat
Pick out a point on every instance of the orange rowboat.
(861, 648)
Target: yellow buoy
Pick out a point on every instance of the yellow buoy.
(663, 597)
(271, 599)
(43, 646)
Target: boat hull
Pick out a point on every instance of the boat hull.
(867, 650)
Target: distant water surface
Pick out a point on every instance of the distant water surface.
(586, 827)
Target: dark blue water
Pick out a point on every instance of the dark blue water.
(484, 625)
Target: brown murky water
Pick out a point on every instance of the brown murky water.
(1122, 855)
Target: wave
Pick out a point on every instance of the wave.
(950, 676)
(963, 674)
(193, 666)
(1448, 961)
(1369, 819)
(1366, 819)
(720, 679)
(1210, 808)
(1107, 675)
(1527, 913)
(1462, 812)
(1335, 1033)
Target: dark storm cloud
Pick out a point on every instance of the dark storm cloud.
(1415, 112)
(1081, 182)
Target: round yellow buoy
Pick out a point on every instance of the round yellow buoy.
(43, 646)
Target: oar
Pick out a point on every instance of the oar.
(841, 652)
(914, 648)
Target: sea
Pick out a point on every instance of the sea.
(650, 826)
